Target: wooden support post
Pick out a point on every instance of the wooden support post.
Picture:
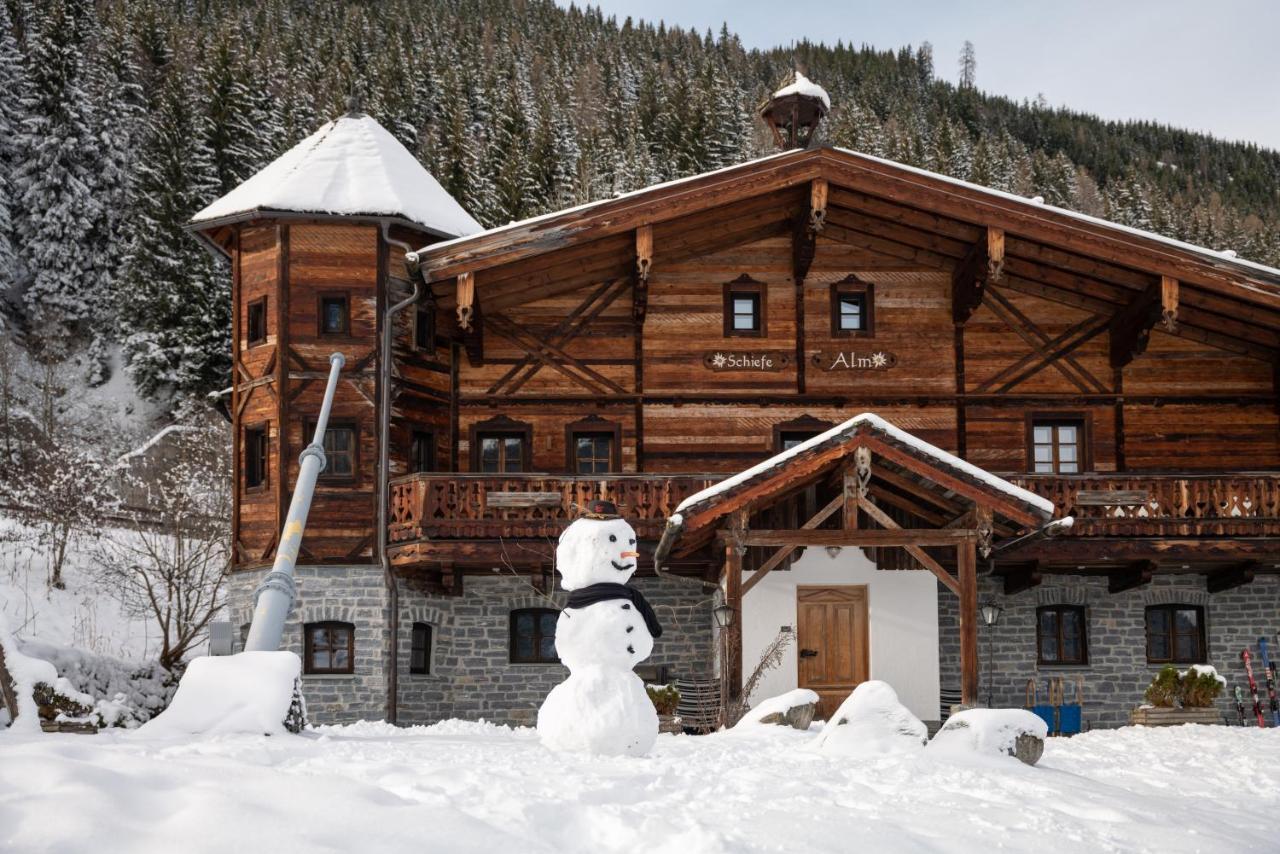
(1135, 575)
(967, 566)
(1231, 577)
(1169, 303)
(818, 191)
(983, 265)
(465, 299)
(644, 263)
(734, 550)
(922, 557)
(1131, 326)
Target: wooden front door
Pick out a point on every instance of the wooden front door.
(832, 635)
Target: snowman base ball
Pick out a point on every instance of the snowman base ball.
(599, 710)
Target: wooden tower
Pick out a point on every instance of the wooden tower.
(794, 112)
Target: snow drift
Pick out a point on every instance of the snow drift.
(992, 732)
(871, 722)
(246, 693)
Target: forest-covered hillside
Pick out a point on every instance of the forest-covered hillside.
(119, 119)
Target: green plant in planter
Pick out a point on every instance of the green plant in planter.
(665, 698)
(1165, 689)
(1200, 687)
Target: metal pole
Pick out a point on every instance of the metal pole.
(274, 598)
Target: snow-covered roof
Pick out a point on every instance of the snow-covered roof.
(804, 86)
(874, 421)
(352, 166)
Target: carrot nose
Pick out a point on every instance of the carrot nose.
(631, 554)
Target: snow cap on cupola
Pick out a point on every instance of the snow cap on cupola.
(794, 112)
(352, 166)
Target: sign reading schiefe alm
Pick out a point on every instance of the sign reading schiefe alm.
(726, 360)
(854, 360)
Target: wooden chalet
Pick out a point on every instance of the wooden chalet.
(1023, 362)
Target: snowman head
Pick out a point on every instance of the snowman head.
(592, 551)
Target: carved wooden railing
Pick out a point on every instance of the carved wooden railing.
(455, 506)
(1164, 505)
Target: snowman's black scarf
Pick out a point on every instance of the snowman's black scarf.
(606, 590)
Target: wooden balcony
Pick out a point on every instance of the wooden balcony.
(1164, 505)
(467, 506)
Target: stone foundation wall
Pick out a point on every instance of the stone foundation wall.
(471, 673)
(350, 594)
(1117, 672)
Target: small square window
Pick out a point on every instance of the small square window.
(424, 329)
(1175, 634)
(329, 648)
(255, 457)
(501, 452)
(852, 312)
(334, 316)
(341, 447)
(533, 636)
(1058, 445)
(256, 322)
(744, 308)
(593, 453)
(1060, 634)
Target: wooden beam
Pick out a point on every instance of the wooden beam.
(1131, 326)
(1231, 577)
(899, 537)
(1169, 303)
(644, 263)
(983, 265)
(967, 570)
(775, 560)
(1136, 574)
(465, 290)
(1022, 578)
(1083, 550)
(734, 549)
(916, 552)
(818, 191)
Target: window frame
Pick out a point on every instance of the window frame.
(853, 286)
(1082, 615)
(593, 425)
(308, 648)
(250, 339)
(505, 427)
(427, 313)
(419, 437)
(1083, 421)
(745, 286)
(327, 476)
(537, 614)
(325, 296)
(804, 424)
(1172, 608)
(263, 433)
(425, 668)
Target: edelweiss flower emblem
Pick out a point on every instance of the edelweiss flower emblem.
(879, 360)
(718, 360)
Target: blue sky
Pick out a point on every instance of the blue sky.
(1210, 65)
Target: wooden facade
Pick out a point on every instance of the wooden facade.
(981, 316)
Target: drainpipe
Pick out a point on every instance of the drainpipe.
(274, 598)
(384, 462)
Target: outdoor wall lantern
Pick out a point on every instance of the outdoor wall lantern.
(724, 615)
(991, 613)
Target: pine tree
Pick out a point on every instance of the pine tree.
(176, 306)
(13, 83)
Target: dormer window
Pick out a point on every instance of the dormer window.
(744, 308)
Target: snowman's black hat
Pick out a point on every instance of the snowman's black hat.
(600, 509)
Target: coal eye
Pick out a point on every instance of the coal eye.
(613, 538)
(633, 542)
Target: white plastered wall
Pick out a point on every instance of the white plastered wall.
(903, 612)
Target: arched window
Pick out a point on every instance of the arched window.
(533, 636)
(1061, 635)
(330, 647)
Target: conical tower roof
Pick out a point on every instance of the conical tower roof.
(352, 166)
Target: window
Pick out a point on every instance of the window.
(340, 451)
(420, 652)
(852, 306)
(256, 327)
(1058, 445)
(500, 445)
(330, 647)
(422, 453)
(1175, 634)
(334, 316)
(593, 446)
(788, 434)
(255, 457)
(788, 439)
(533, 636)
(744, 308)
(424, 329)
(1060, 635)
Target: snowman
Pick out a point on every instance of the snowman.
(604, 631)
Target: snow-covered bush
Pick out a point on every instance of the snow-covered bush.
(665, 698)
(871, 721)
(1194, 688)
(121, 693)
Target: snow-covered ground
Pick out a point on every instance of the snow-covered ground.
(475, 787)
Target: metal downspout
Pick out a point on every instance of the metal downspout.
(384, 462)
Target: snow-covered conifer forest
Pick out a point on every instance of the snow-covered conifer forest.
(123, 117)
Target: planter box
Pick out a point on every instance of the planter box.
(670, 723)
(1162, 716)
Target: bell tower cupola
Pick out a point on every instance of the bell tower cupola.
(794, 112)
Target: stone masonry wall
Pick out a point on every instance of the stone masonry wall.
(351, 594)
(471, 674)
(1117, 672)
